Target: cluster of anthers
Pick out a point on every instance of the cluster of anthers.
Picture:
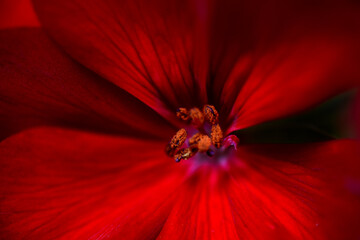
(199, 142)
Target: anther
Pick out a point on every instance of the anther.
(216, 135)
(176, 142)
(201, 141)
(204, 143)
(185, 153)
(211, 115)
(195, 139)
(183, 114)
(197, 117)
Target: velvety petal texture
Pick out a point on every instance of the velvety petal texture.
(17, 13)
(299, 191)
(62, 184)
(144, 47)
(41, 85)
(313, 60)
(254, 60)
(83, 123)
(74, 185)
(271, 192)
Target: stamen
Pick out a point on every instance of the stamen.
(195, 139)
(216, 135)
(204, 143)
(176, 142)
(183, 114)
(185, 153)
(201, 141)
(211, 115)
(197, 117)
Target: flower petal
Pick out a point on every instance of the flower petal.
(252, 55)
(201, 212)
(313, 59)
(144, 47)
(62, 184)
(17, 13)
(272, 192)
(40, 85)
(297, 190)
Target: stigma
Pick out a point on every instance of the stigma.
(208, 138)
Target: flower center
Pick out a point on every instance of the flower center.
(206, 139)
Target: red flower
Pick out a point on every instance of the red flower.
(83, 151)
(17, 13)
